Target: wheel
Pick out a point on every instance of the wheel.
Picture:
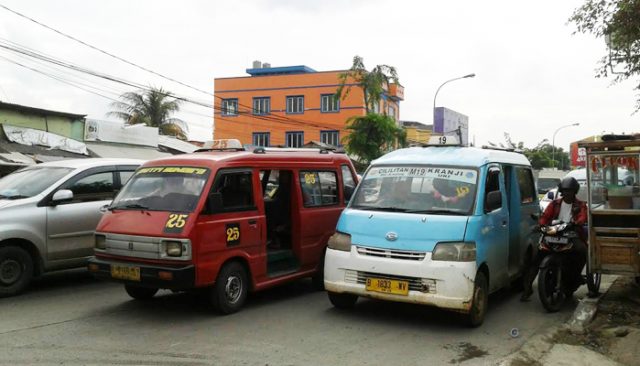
(140, 293)
(16, 270)
(550, 288)
(318, 278)
(229, 292)
(342, 301)
(479, 302)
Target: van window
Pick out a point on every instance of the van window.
(348, 183)
(492, 184)
(525, 182)
(319, 188)
(236, 190)
(95, 187)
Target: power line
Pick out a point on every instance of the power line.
(102, 51)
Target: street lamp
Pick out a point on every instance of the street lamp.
(441, 85)
(553, 143)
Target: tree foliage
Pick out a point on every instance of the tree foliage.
(371, 136)
(618, 22)
(152, 107)
(540, 156)
(373, 83)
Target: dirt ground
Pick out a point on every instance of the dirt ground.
(615, 331)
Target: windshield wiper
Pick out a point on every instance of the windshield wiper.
(380, 208)
(129, 206)
(437, 211)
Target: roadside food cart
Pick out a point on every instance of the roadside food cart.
(613, 199)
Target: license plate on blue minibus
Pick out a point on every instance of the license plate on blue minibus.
(388, 286)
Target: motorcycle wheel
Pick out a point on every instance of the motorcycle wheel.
(552, 294)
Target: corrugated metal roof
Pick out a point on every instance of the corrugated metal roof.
(113, 150)
(39, 111)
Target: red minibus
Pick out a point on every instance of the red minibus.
(228, 221)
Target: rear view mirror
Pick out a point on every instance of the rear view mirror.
(61, 196)
(493, 201)
(550, 195)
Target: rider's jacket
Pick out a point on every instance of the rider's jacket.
(578, 212)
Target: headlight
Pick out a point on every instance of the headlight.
(456, 252)
(340, 241)
(101, 242)
(173, 248)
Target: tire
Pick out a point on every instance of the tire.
(551, 295)
(479, 302)
(16, 270)
(343, 301)
(140, 293)
(593, 284)
(230, 291)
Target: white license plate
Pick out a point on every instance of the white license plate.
(556, 240)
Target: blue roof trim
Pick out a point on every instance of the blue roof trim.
(300, 69)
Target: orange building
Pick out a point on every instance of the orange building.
(289, 106)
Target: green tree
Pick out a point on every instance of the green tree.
(152, 107)
(618, 22)
(373, 83)
(373, 134)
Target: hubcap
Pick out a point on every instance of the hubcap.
(233, 289)
(10, 271)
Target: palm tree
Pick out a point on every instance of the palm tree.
(153, 108)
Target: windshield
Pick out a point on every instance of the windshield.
(545, 184)
(30, 182)
(417, 189)
(175, 189)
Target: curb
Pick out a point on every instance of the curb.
(536, 347)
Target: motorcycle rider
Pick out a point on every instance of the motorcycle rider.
(567, 209)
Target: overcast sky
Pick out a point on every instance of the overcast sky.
(533, 75)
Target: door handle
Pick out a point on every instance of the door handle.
(253, 223)
(504, 223)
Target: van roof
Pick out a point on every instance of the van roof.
(454, 155)
(212, 158)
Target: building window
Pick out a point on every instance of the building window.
(295, 104)
(376, 107)
(230, 107)
(294, 138)
(261, 105)
(330, 137)
(329, 103)
(261, 138)
(392, 112)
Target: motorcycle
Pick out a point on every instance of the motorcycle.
(558, 278)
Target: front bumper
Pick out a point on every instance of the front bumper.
(447, 285)
(181, 278)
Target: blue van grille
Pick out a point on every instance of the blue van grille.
(391, 253)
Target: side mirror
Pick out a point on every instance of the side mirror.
(214, 202)
(63, 195)
(493, 201)
(348, 192)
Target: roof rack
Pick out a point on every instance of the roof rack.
(508, 149)
(220, 149)
(264, 150)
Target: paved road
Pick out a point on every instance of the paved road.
(70, 318)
